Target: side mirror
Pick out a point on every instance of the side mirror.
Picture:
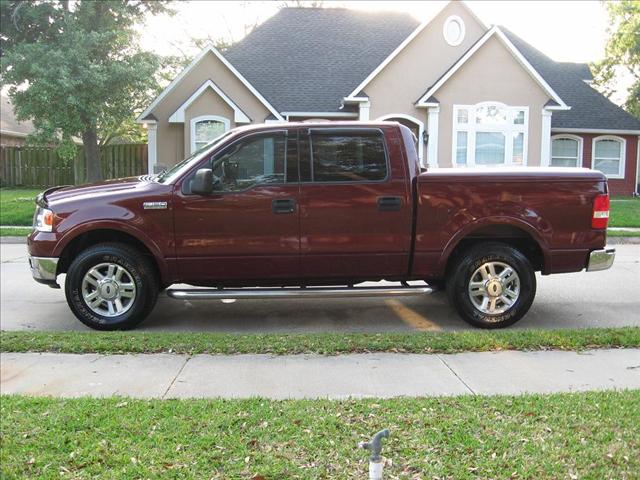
(202, 183)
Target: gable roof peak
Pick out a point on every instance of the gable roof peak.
(495, 31)
(354, 93)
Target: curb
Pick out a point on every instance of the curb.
(623, 240)
(13, 240)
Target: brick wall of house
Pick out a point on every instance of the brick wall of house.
(624, 186)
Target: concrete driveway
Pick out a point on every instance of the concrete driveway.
(577, 300)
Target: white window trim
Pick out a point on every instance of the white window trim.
(463, 30)
(411, 119)
(471, 128)
(202, 118)
(570, 137)
(623, 154)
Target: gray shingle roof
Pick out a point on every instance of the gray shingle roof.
(324, 53)
(589, 108)
(308, 59)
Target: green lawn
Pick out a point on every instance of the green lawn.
(625, 212)
(15, 232)
(17, 206)
(581, 435)
(322, 343)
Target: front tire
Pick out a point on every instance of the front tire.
(111, 286)
(492, 285)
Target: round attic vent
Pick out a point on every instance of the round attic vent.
(453, 30)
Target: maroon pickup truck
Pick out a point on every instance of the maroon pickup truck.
(314, 210)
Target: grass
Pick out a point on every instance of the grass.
(15, 232)
(625, 212)
(324, 343)
(581, 435)
(618, 233)
(17, 206)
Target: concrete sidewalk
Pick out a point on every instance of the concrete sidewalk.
(380, 375)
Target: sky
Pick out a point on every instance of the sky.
(564, 30)
(567, 31)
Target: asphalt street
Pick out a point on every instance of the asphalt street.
(576, 300)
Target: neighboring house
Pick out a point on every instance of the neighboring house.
(473, 95)
(12, 132)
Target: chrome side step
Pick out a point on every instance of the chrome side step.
(311, 292)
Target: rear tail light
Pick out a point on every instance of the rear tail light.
(600, 217)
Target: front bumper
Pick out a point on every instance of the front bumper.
(601, 259)
(44, 269)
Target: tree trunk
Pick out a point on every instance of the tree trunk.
(92, 155)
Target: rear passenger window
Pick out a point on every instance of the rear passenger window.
(347, 156)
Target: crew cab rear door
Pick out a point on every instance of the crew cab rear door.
(355, 203)
(248, 228)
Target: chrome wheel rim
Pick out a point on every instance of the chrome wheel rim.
(108, 289)
(494, 288)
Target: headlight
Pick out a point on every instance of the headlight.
(43, 220)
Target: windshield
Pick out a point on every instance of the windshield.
(174, 172)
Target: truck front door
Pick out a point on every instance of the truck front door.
(355, 204)
(248, 227)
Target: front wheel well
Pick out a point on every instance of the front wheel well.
(507, 234)
(94, 237)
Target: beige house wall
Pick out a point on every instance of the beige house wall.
(171, 143)
(492, 74)
(208, 103)
(418, 66)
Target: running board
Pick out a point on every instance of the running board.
(311, 292)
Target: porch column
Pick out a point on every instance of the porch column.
(545, 145)
(432, 131)
(363, 111)
(152, 152)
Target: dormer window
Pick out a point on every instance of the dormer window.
(453, 30)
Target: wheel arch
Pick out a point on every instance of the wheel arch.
(82, 238)
(514, 232)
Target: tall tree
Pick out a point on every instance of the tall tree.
(622, 52)
(75, 67)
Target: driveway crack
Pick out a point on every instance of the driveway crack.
(456, 374)
(176, 377)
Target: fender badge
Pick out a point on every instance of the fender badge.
(154, 205)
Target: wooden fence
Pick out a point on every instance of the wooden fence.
(43, 167)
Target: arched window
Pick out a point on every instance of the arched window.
(608, 156)
(205, 129)
(489, 134)
(566, 151)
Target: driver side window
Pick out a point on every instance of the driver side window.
(256, 160)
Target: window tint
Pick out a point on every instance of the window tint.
(347, 156)
(256, 160)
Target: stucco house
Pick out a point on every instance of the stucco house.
(13, 133)
(474, 95)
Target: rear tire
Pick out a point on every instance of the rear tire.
(111, 286)
(491, 285)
